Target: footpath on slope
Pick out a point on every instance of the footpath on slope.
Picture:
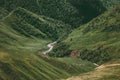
(95, 75)
(110, 65)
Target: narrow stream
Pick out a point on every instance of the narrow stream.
(50, 46)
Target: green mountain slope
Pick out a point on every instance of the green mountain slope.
(98, 40)
(21, 27)
(34, 25)
(27, 26)
(70, 12)
(28, 66)
(11, 39)
(22, 35)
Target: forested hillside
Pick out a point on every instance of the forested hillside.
(73, 13)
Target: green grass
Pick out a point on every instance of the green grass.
(12, 40)
(22, 66)
(73, 66)
(78, 64)
(28, 66)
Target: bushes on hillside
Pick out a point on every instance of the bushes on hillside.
(28, 23)
(96, 56)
